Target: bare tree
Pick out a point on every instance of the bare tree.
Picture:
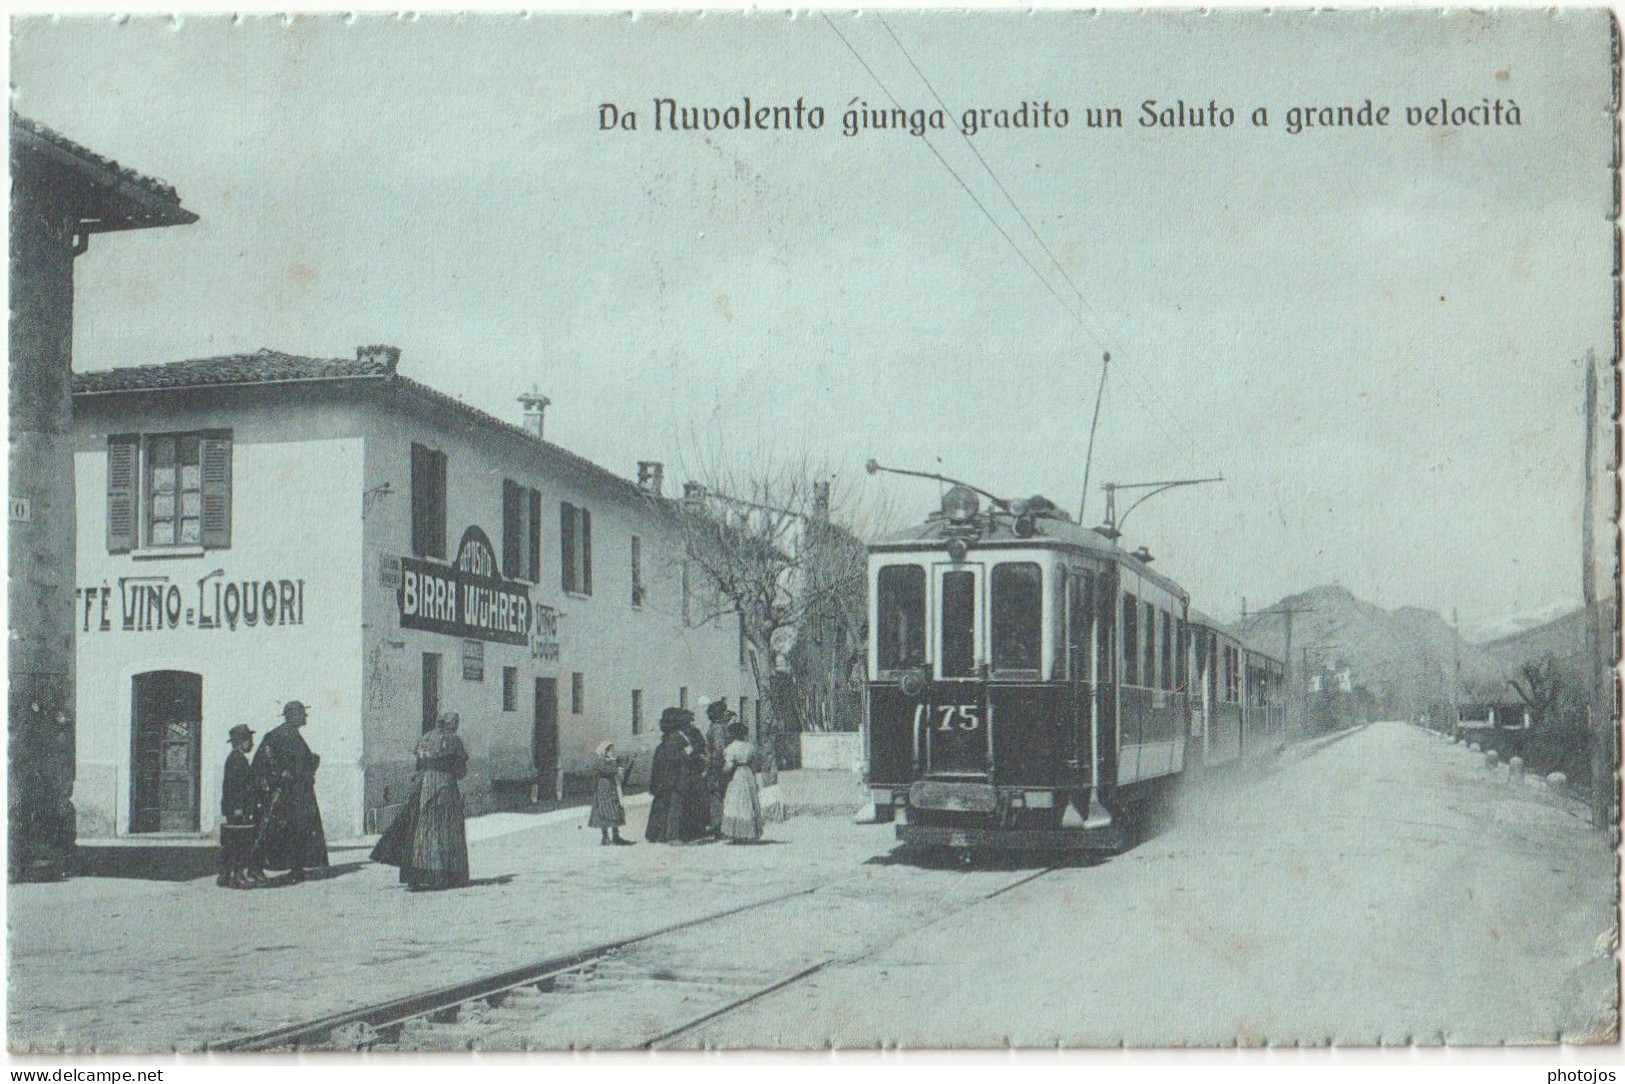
(777, 539)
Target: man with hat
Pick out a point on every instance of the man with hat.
(290, 835)
(716, 740)
(239, 805)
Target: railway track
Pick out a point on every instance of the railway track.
(653, 990)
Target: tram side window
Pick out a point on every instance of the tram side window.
(1182, 655)
(1131, 640)
(900, 599)
(958, 624)
(1018, 610)
(1166, 624)
(1149, 674)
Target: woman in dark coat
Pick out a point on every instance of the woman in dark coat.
(667, 779)
(428, 840)
(290, 836)
(695, 821)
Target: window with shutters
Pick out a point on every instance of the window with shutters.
(428, 502)
(169, 491)
(575, 548)
(521, 530)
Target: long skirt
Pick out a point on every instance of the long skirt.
(665, 819)
(290, 835)
(694, 820)
(607, 811)
(427, 840)
(742, 806)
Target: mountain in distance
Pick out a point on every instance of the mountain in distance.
(1563, 638)
(1510, 625)
(1405, 659)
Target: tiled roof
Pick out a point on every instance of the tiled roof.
(148, 201)
(372, 364)
(262, 367)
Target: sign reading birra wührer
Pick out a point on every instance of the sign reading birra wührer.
(468, 598)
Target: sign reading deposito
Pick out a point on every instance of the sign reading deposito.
(468, 598)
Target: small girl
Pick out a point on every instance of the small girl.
(607, 812)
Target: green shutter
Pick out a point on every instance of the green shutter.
(214, 457)
(123, 466)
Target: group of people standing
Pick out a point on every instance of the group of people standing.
(272, 821)
(704, 786)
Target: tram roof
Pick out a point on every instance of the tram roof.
(997, 529)
(1200, 619)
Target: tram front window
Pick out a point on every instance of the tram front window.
(958, 624)
(1018, 606)
(900, 632)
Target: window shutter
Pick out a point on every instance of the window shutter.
(123, 463)
(214, 457)
(586, 551)
(567, 545)
(512, 532)
(533, 565)
(438, 526)
(420, 500)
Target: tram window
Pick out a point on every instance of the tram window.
(1131, 640)
(958, 624)
(1165, 625)
(1182, 655)
(900, 595)
(1149, 674)
(1018, 610)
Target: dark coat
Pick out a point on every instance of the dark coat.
(666, 783)
(291, 835)
(694, 820)
(239, 799)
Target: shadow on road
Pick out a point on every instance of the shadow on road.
(951, 858)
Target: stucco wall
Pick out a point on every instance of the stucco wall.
(296, 503)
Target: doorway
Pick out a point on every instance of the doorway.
(544, 739)
(166, 732)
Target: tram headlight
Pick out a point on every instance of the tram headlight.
(957, 549)
(960, 504)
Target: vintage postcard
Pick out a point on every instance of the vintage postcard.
(926, 529)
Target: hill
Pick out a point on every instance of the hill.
(1563, 638)
(1404, 658)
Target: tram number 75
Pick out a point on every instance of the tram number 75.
(953, 716)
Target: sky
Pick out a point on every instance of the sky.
(1374, 335)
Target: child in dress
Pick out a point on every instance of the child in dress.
(608, 814)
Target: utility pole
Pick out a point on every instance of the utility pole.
(1599, 629)
(1289, 612)
(1455, 646)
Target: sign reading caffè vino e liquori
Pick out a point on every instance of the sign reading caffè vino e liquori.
(466, 598)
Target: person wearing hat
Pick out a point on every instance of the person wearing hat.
(716, 776)
(239, 805)
(290, 831)
(667, 775)
(429, 841)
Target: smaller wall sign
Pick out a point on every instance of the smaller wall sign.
(473, 660)
(22, 510)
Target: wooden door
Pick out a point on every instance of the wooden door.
(544, 739)
(166, 731)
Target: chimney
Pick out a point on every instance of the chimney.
(651, 476)
(388, 356)
(820, 500)
(693, 494)
(535, 404)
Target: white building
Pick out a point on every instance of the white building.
(259, 528)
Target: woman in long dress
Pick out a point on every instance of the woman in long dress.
(667, 778)
(427, 840)
(742, 804)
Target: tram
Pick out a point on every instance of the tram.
(1030, 682)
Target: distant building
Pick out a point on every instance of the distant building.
(263, 527)
(61, 195)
